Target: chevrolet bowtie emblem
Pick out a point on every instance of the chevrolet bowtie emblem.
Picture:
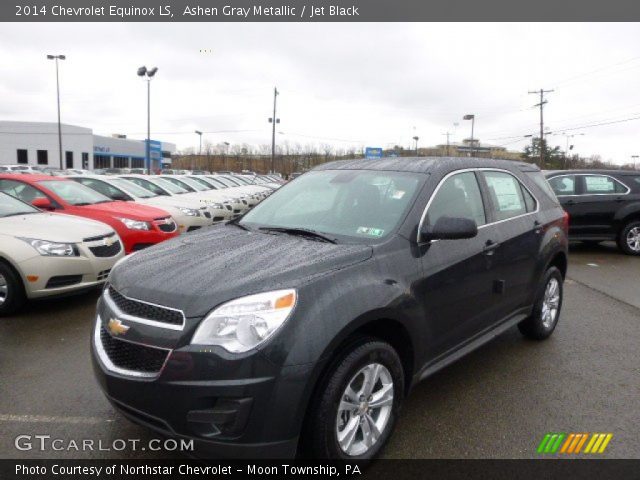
(108, 242)
(116, 327)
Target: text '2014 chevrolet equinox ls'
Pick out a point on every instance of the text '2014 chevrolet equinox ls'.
(340, 292)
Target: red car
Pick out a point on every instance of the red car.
(139, 226)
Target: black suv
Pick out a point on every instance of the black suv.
(602, 205)
(302, 326)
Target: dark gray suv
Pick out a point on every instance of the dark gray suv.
(302, 325)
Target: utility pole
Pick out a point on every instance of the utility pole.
(541, 92)
(634, 158)
(273, 120)
(447, 134)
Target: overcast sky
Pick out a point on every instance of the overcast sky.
(344, 84)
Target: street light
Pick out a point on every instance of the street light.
(471, 117)
(199, 133)
(148, 74)
(416, 138)
(634, 158)
(56, 58)
(567, 137)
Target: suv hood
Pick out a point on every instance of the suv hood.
(55, 227)
(201, 270)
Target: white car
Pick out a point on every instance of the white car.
(20, 169)
(220, 211)
(205, 194)
(188, 215)
(248, 200)
(240, 186)
(46, 254)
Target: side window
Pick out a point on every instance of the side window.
(101, 187)
(506, 195)
(20, 190)
(529, 201)
(599, 184)
(563, 185)
(458, 196)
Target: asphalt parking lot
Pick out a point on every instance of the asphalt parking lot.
(497, 402)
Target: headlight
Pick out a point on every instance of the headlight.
(246, 322)
(191, 212)
(135, 224)
(217, 206)
(52, 249)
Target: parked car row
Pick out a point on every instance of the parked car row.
(133, 212)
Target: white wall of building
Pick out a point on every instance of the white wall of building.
(80, 141)
(34, 136)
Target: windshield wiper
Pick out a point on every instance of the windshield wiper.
(303, 232)
(18, 213)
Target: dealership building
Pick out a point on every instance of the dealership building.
(36, 143)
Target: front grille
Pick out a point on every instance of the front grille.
(169, 226)
(132, 356)
(99, 237)
(218, 219)
(236, 211)
(207, 214)
(106, 250)
(192, 228)
(63, 281)
(145, 310)
(103, 274)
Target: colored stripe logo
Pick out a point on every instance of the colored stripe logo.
(574, 443)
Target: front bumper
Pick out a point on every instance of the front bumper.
(135, 240)
(232, 406)
(45, 276)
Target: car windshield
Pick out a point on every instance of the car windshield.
(132, 188)
(215, 181)
(10, 206)
(74, 193)
(225, 181)
(170, 186)
(352, 204)
(232, 181)
(195, 185)
(204, 182)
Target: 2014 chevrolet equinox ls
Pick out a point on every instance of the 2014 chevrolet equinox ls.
(341, 291)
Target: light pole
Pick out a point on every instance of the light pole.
(148, 74)
(199, 133)
(473, 121)
(415, 139)
(634, 158)
(273, 120)
(56, 58)
(567, 148)
(226, 155)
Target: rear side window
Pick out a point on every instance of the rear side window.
(563, 185)
(20, 190)
(507, 195)
(459, 196)
(540, 180)
(600, 184)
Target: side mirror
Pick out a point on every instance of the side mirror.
(43, 203)
(449, 228)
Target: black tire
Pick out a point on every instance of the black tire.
(623, 244)
(536, 326)
(322, 428)
(15, 296)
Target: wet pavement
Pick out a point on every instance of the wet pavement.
(497, 402)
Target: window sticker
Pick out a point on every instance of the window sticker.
(372, 232)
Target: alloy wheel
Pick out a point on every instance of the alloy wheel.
(365, 409)
(633, 239)
(551, 302)
(4, 289)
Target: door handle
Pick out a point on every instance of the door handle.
(490, 247)
(619, 199)
(571, 202)
(537, 226)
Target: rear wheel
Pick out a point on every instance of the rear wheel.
(629, 238)
(546, 311)
(358, 403)
(11, 291)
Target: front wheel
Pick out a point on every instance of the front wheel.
(358, 403)
(546, 310)
(629, 238)
(11, 291)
